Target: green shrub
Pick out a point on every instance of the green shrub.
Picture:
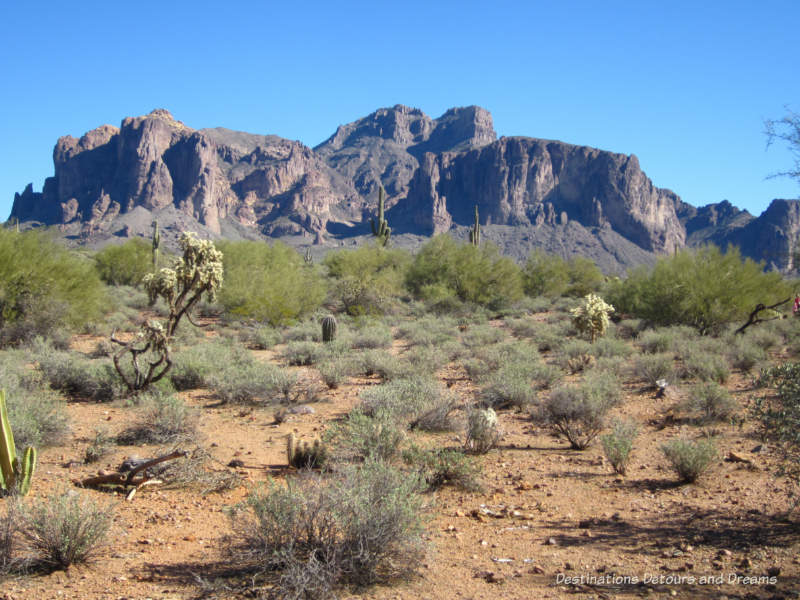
(654, 367)
(37, 418)
(361, 437)
(9, 535)
(578, 411)
(608, 347)
(359, 527)
(403, 400)
(444, 466)
(705, 289)
(545, 275)
(269, 283)
(125, 264)
(335, 371)
(77, 376)
(689, 459)
(252, 382)
(376, 336)
(665, 339)
(262, 338)
(745, 354)
(780, 415)
(44, 287)
(307, 331)
(65, 528)
(510, 386)
(698, 362)
(618, 444)
(710, 403)
(161, 420)
(303, 353)
(428, 331)
(478, 275)
(100, 445)
(367, 280)
(483, 335)
(194, 366)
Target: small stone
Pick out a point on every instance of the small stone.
(745, 563)
(551, 542)
(537, 570)
(236, 463)
(725, 552)
(774, 571)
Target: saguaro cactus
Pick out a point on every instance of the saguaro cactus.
(475, 232)
(328, 328)
(13, 473)
(381, 229)
(156, 243)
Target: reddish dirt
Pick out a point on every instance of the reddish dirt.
(547, 512)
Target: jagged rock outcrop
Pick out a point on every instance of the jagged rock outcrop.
(434, 171)
(527, 181)
(385, 148)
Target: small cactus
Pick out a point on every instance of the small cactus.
(475, 232)
(381, 229)
(302, 455)
(328, 328)
(14, 475)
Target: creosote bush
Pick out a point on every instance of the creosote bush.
(444, 466)
(65, 528)
(359, 527)
(709, 402)
(618, 443)
(689, 459)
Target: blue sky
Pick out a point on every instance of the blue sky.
(685, 86)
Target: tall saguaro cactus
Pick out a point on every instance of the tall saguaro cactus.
(13, 473)
(381, 229)
(156, 243)
(475, 232)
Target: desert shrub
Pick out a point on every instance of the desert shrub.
(428, 331)
(125, 264)
(743, 353)
(654, 367)
(377, 362)
(44, 287)
(698, 362)
(608, 347)
(252, 382)
(161, 419)
(703, 288)
(482, 431)
(480, 275)
(709, 402)
(689, 459)
(618, 443)
(545, 274)
(763, 337)
(65, 528)
(404, 400)
(367, 280)
(629, 328)
(444, 466)
(578, 411)
(262, 337)
(306, 331)
(376, 336)
(37, 418)
(617, 365)
(510, 386)
(9, 539)
(665, 339)
(483, 335)
(269, 283)
(437, 416)
(523, 327)
(429, 359)
(303, 353)
(99, 446)
(360, 437)
(360, 527)
(573, 349)
(194, 366)
(780, 415)
(77, 376)
(335, 371)
(550, 275)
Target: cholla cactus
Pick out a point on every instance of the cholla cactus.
(197, 272)
(482, 431)
(592, 316)
(302, 455)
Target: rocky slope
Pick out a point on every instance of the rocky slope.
(114, 180)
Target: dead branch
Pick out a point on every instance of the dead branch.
(126, 479)
(753, 318)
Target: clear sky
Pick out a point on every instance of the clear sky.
(684, 85)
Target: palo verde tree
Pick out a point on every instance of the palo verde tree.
(197, 272)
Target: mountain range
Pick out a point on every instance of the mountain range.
(530, 193)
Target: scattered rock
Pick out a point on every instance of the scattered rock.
(236, 463)
(551, 542)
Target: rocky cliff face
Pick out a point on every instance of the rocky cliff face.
(434, 171)
(524, 181)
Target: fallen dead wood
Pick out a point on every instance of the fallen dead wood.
(128, 478)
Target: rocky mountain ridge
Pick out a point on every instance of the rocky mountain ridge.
(571, 199)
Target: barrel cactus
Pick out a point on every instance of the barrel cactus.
(328, 328)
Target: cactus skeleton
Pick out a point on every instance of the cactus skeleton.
(14, 474)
